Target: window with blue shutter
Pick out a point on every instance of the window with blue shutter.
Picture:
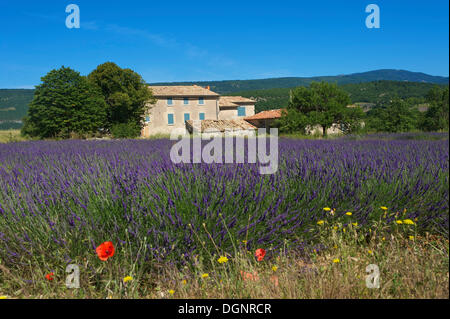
(186, 101)
(201, 100)
(187, 116)
(201, 116)
(169, 101)
(241, 111)
(147, 118)
(170, 119)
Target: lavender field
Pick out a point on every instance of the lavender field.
(60, 199)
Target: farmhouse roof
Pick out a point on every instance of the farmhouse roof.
(234, 101)
(182, 90)
(220, 125)
(266, 115)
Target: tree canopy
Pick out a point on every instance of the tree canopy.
(125, 93)
(64, 103)
(323, 104)
(397, 116)
(437, 116)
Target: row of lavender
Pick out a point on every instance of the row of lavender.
(59, 200)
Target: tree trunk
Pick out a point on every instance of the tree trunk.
(324, 131)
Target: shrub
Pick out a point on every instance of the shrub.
(125, 130)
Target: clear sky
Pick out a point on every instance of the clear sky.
(222, 40)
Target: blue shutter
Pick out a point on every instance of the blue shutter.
(170, 119)
(187, 117)
(201, 100)
(169, 101)
(186, 101)
(201, 116)
(147, 118)
(241, 111)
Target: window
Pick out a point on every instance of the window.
(170, 119)
(147, 119)
(241, 111)
(169, 101)
(201, 100)
(186, 101)
(201, 116)
(187, 116)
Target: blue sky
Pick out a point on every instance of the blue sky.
(221, 40)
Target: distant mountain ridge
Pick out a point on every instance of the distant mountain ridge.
(232, 86)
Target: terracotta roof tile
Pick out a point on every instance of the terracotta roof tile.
(265, 115)
(184, 91)
(234, 101)
(221, 125)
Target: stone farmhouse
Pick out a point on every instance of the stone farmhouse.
(198, 109)
(180, 106)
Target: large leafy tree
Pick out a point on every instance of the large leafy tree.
(64, 103)
(397, 116)
(437, 116)
(126, 94)
(323, 104)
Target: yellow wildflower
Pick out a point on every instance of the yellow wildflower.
(355, 224)
(320, 222)
(3, 297)
(127, 279)
(335, 227)
(327, 209)
(399, 222)
(274, 268)
(411, 237)
(348, 213)
(184, 282)
(383, 207)
(336, 260)
(384, 238)
(222, 259)
(370, 252)
(408, 222)
(205, 275)
(335, 246)
(171, 291)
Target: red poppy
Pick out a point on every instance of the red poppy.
(49, 276)
(260, 253)
(105, 250)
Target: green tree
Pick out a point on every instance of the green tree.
(397, 116)
(323, 104)
(352, 120)
(126, 95)
(292, 121)
(437, 116)
(64, 103)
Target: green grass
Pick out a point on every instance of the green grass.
(410, 267)
(8, 136)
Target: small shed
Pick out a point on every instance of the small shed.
(265, 119)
